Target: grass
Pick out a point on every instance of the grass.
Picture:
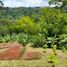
(43, 62)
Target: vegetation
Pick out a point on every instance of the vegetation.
(39, 26)
(43, 27)
(53, 59)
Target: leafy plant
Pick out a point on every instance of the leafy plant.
(45, 46)
(38, 41)
(22, 38)
(54, 47)
(27, 25)
(53, 59)
(63, 49)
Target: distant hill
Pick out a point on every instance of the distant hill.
(15, 13)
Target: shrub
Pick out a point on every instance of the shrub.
(53, 59)
(45, 46)
(54, 47)
(52, 21)
(63, 41)
(5, 26)
(6, 38)
(65, 29)
(27, 25)
(38, 41)
(63, 49)
(22, 38)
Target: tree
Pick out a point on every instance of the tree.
(64, 3)
(58, 2)
(1, 3)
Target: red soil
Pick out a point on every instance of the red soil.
(11, 52)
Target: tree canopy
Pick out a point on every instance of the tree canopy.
(54, 2)
(1, 3)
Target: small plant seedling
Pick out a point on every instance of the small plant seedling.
(53, 59)
(45, 46)
(54, 47)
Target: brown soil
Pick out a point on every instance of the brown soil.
(31, 55)
(10, 51)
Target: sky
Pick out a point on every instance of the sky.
(25, 3)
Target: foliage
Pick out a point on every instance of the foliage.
(54, 47)
(6, 26)
(53, 59)
(45, 46)
(63, 49)
(17, 13)
(1, 4)
(37, 25)
(38, 41)
(56, 2)
(63, 41)
(21, 38)
(27, 25)
(53, 21)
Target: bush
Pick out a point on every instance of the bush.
(63, 49)
(52, 21)
(38, 41)
(22, 38)
(6, 26)
(53, 59)
(45, 46)
(27, 25)
(54, 47)
(63, 41)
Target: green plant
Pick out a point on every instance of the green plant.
(54, 47)
(63, 49)
(27, 25)
(6, 38)
(63, 41)
(53, 59)
(22, 38)
(38, 41)
(5, 26)
(45, 46)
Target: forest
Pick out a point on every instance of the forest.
(37, 22)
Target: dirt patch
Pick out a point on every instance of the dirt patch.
(31, 55)
(8, 45)
(11, 51)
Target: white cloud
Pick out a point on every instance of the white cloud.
(25, 3)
